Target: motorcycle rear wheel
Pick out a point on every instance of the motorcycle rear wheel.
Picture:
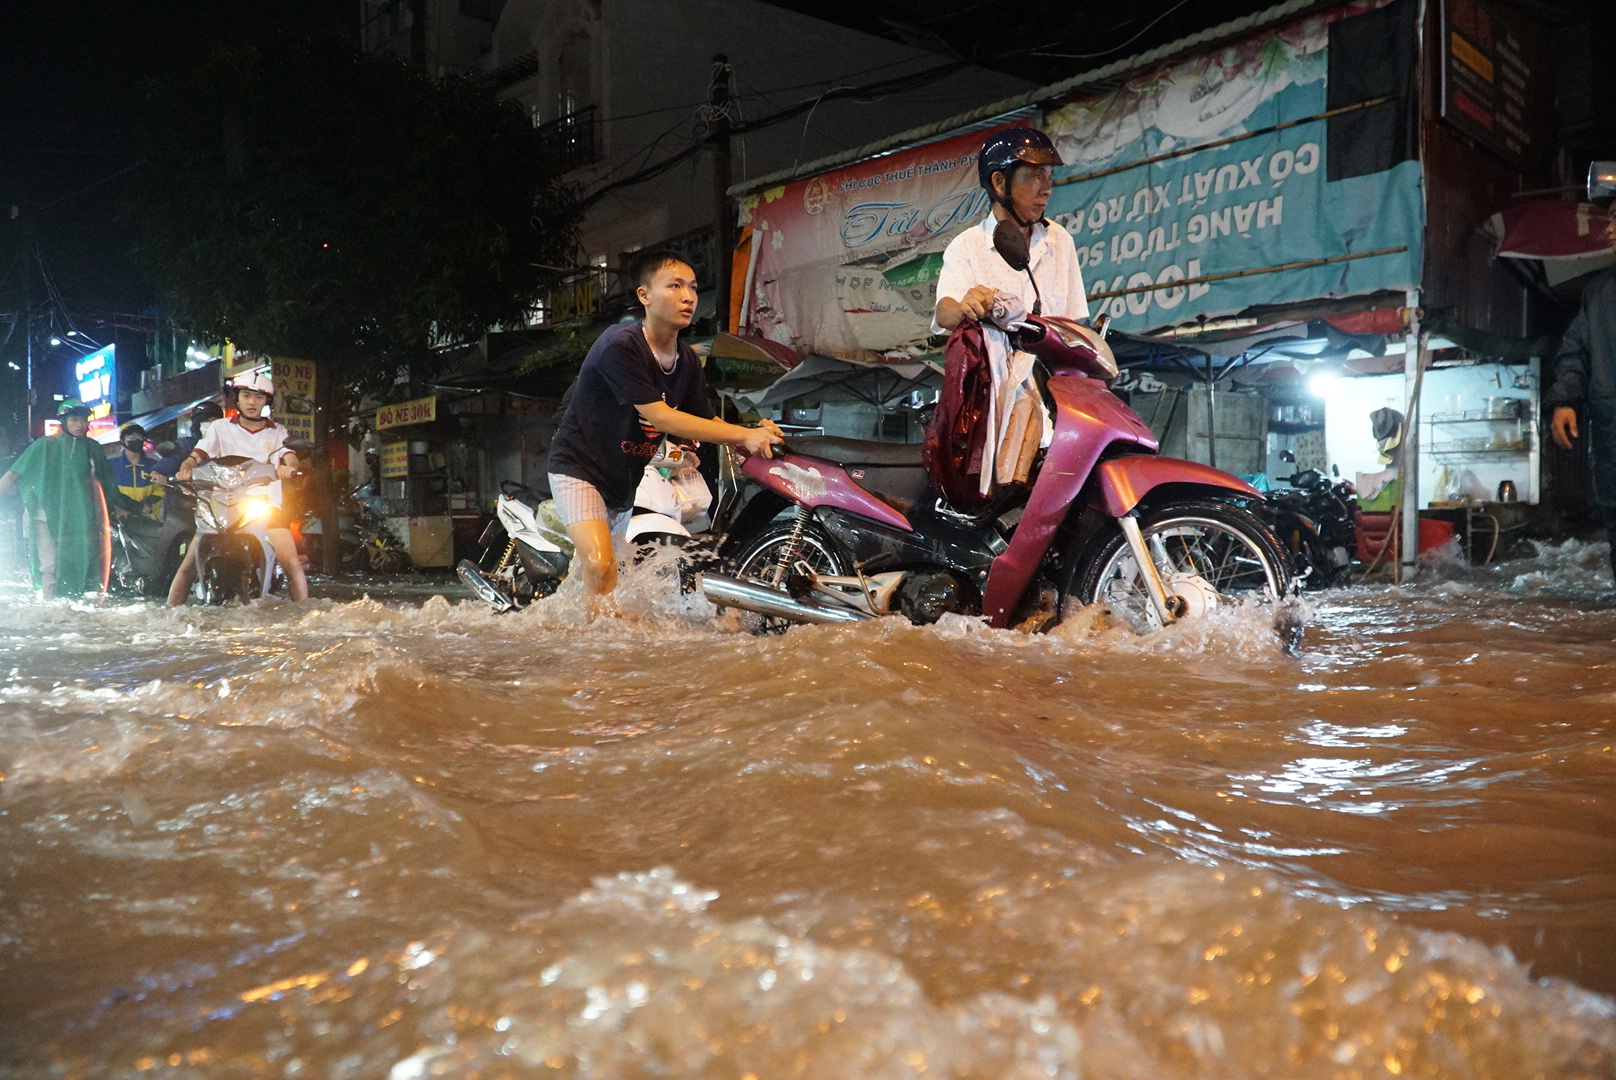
(1216, 550)
(760, 560)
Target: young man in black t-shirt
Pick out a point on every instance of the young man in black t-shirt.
(638, 383)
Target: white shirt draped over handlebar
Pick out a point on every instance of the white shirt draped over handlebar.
(1013, 382)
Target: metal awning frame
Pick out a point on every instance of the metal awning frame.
(1026, 103)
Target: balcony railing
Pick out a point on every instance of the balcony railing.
(578, 296)
(596, 291)
(573, 140)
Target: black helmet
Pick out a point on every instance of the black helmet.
(1601, 182)
(1011, 147)
(207, 410)
(129, 429)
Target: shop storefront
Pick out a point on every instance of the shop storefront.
(1297, 189)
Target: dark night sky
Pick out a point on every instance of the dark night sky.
(71, 73)
(70, 98)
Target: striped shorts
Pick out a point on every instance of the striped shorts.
(579, 500)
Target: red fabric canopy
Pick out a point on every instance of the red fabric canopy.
(1549, 229)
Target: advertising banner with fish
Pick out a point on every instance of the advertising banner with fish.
(1272, 170)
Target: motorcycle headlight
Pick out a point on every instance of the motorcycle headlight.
(253, 509)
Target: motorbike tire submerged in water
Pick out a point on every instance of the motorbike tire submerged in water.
(1211, 551)
(229, 568)
(770, 557)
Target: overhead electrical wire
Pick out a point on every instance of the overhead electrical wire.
(867, 91)
(1114, 48)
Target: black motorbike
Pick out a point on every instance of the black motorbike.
(145, 553)
(1314, 519)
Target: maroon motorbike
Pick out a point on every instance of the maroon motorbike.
(844, 530)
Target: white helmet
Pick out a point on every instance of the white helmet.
(1601, 182)
(258, 381)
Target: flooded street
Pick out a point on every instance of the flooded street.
(363, 839)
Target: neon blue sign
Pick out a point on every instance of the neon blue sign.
(95, 374)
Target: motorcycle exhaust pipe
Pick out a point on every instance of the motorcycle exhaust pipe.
(751, 596)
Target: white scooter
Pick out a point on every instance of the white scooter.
(234, 558)
(670, 505)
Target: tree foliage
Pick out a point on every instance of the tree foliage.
(308, 199)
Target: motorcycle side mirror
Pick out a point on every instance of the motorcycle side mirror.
(1286, 455)
(167, 449)
(1011, 244)
(1335, 470)
(299, 446)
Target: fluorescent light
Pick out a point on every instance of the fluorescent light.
(1322, 383)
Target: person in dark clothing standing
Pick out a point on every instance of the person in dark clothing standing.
(178, 504)
(1585, 370)
(638, 384)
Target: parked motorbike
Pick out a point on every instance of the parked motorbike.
(847, 530)
(365, 543)
(670, 505)
(145, 553)
(234, 558)
(1315, 520)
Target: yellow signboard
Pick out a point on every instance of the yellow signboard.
(419, 411)
(294, 396)
(395, 460)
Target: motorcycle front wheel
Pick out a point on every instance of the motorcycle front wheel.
(1208, 553)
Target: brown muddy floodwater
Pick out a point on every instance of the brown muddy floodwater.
(366, 840)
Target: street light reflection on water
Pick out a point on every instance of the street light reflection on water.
(374, 839)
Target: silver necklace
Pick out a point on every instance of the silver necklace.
(671, 362)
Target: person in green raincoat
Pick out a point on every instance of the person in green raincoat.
(63, 480)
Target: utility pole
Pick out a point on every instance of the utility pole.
(27, 236)
(325, 488)
(418, 33)
(718, 127)
(1409, 459)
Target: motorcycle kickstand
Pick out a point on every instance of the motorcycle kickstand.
(1165, 608)
(864, 587)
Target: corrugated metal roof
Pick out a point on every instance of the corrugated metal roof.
(1025, 103)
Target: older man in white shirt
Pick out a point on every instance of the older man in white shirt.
(1016, 168)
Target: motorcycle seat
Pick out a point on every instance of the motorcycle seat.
(141, 525)
(855, 452)
(522, 494)
(892, 472)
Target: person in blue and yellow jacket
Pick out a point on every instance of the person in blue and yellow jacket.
(139, 487)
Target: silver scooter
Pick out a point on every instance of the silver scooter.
(234, 558)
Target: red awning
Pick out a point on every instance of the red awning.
(760, 349)
(1549, 229)
(1388, 321)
